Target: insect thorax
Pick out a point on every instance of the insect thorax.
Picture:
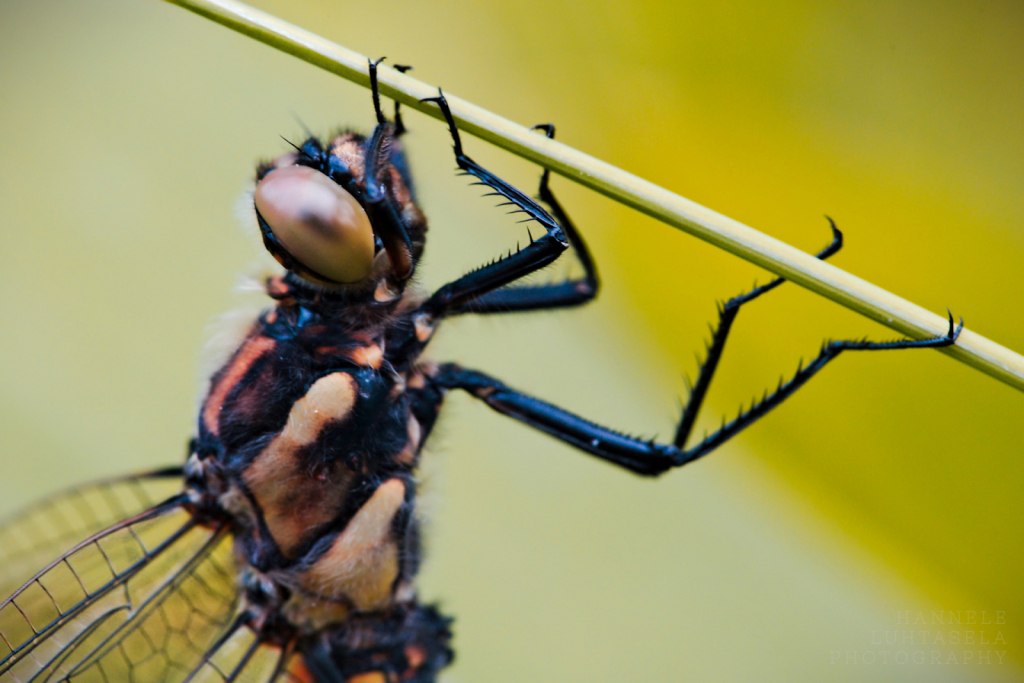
(307, 442)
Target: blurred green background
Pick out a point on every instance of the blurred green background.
(890, 485)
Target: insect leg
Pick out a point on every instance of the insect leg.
(726, 316)
(456, 295)
(829, 351)
(375, 92)
(379, 203)
(400, 128)
(574, 292)
(638, 455)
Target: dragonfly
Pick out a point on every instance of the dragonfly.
(286, 547)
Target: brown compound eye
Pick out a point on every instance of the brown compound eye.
(320, 224)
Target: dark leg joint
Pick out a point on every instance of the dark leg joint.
(637, 455)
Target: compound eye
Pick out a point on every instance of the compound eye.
(318, 222)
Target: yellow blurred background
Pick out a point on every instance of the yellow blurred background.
(890, 486)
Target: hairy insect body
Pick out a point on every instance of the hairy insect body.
(308, 437)
(291, 553)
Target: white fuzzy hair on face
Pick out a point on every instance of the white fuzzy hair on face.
(245, 210)
(227, 330)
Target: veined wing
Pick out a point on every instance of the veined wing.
(142, 600)
(241, 656)
(33, 536)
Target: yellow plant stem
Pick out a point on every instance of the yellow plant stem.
(736, 238)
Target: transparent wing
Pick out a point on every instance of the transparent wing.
(33, 536)
(143, 600)
(241, 657)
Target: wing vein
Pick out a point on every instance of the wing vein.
(145, 609)
(118, 578)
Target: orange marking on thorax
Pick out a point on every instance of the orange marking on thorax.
(417, 380)
(368, 356)
(251, 351)
(415, 655)
(329, 350)
(362, 564)
(408, 454)
(329, 398)
(294, 501)
(277, 288)
(298, 670)
(368, 677)
(351, 152)
(383, 292)
(424, 327)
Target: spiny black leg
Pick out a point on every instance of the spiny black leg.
(373, 89)
(726, 317)
(829, 351)
(834, 246)
(536, 255)
(516, 298)
(380, 205)
(400, 128)
(637, 455)
(641, 457)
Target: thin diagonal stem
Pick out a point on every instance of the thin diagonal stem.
(769, 253)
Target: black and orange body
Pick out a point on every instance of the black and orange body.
(290, 552)
(309, 438)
